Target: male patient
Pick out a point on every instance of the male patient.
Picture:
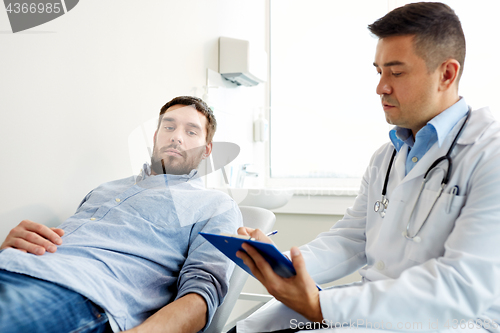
(131, 248)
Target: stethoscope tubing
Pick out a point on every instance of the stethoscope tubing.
(384, 201)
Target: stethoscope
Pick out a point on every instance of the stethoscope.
(381, 205)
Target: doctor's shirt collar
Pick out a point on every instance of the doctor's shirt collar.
(441, 125)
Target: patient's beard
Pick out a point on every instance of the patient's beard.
(171, 165)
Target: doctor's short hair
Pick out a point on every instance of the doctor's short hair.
(437, 29)
(200, 106)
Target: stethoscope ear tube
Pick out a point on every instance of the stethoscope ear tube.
(384, 190)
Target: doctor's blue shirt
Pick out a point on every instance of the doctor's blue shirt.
(434, 131)
(133, 246)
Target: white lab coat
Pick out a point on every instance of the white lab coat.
(452, 274)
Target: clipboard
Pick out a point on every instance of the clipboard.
(230, 244)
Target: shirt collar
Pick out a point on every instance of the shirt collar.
(146, 172)
(442, 124)
(399, 136)
(446, 120)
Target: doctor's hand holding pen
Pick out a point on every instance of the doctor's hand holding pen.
(257, 234)
(299, 292)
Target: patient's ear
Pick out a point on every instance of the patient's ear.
(208, 150)
(154, 136)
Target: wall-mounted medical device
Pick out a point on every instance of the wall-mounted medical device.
(240, 63)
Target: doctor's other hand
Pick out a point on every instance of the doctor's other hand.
(32, 237)
(298, 292)
(257, 234)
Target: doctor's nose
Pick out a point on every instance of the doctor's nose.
(383, 88)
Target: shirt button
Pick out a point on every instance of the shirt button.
(380, 265)
(414, 159)
(92, 218)
(117, 200)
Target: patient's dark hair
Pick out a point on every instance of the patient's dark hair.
(199, 105)
(437, 29)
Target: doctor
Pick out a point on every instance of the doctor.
(424, 230)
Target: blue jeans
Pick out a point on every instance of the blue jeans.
(31, 305)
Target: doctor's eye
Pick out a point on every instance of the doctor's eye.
(397, 74)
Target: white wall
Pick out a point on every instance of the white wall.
(72, 91)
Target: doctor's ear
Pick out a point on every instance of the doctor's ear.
(448, 74)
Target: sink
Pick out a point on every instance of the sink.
(269, 198)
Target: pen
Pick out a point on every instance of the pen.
(454, 192)
(274, 232)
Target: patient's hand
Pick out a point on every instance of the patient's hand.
(255, 233)
(32, 237)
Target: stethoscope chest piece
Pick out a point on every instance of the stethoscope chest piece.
(381, 205)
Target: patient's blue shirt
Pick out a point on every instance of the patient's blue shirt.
(133, 246)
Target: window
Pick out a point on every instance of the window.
(325, 117)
